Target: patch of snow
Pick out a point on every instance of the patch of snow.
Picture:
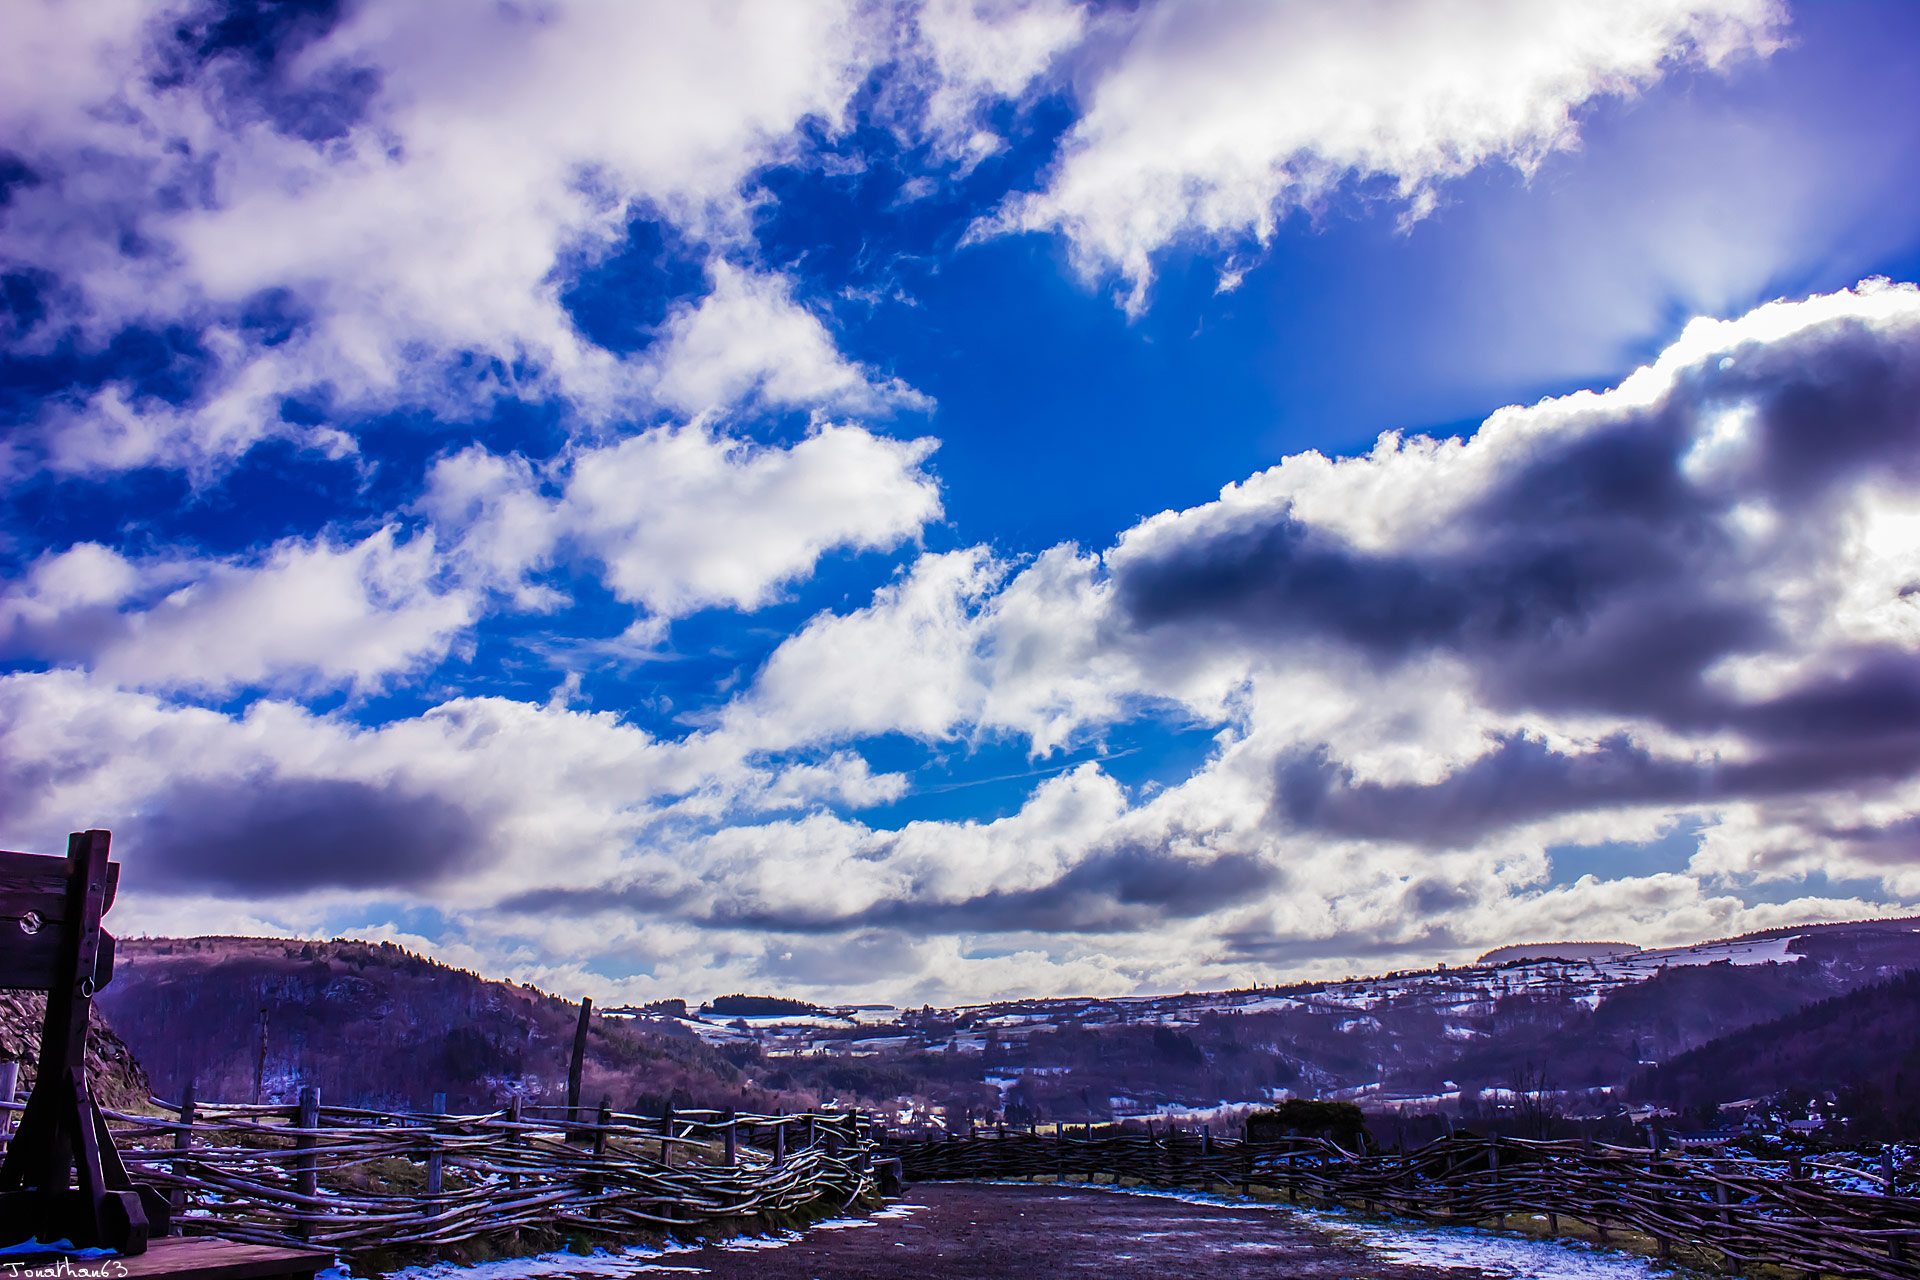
(1444, 1248)
(631, 1260)
(1471, 1249)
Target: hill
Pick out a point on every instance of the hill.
(376, 1025)
(1863, 1048)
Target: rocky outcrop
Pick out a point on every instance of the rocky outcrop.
(114, 1074)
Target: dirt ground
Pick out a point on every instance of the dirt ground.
(1000, 1232)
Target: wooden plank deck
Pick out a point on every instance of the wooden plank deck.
(211, 1258)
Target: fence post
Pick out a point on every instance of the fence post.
(666, 1132)
(596, 1184)
(578, 1062)
(733, 1139)
(1896, 1245)
(435, 1167)
(602, 1122)
(260, 1062)
(308, 1163)
(182, 1141)
(516, 1108)
(780, 1138)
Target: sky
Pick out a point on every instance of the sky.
(928, 502)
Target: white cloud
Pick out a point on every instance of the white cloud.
(417, 234)
(680, 519)
(683, 520)
(978, 52)
(749, 342)
(300, 615)
(1215, 125)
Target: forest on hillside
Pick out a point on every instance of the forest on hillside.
(1862, 1048)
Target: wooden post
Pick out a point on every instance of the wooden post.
(516, 1109)
(183, 1141)
(733, 1140)
(579, 1061)
(61, 1138)
(1896, 1245)
(666, 1132)
(780, 1138)
(604, 1121)
(9, 1083)
(435, 1167)
(597, 1182)
(260, 1062)
(308, 1162)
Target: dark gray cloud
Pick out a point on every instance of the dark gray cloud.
(1600, 574)
(269, 835)
(1259, 947)
(1520, 780)
(1114, 890)
(1523, 780)
(1129, 887)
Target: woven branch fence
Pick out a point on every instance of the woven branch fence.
(359, 1180)
(1724, 1213)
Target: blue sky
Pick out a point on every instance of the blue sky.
(932, 501)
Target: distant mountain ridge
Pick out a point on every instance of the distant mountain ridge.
(1558, 951)
(376, 1025)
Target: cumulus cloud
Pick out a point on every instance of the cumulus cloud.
(508, 794)
(1689, 595)
(748, 342)
(683, 519)
(972, 53)
(301, 615)
(383, 209)
(1213, 127)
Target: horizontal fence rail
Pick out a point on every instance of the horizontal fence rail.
(356, 1180)
(1727, 1213)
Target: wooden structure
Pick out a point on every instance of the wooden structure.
(208, 1258)
(1729, 1214)
(336, 1176)
(62, 1176)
